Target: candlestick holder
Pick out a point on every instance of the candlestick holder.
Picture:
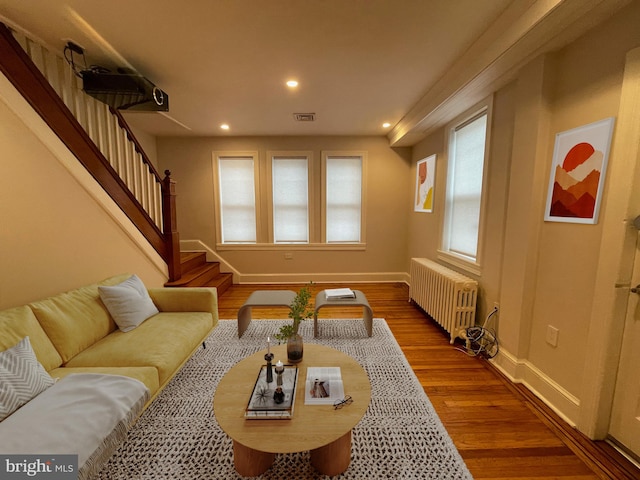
(268, 357)
(279, 369)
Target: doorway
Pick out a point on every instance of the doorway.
(624, 427)
(624, 419)
(610, 394)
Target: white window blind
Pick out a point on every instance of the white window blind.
(237, 199)
(290, 182)
(343, 199)
(464, 192)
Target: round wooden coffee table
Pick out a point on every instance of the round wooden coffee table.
(321, 429)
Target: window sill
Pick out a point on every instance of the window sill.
(275, 247)
(461, 262)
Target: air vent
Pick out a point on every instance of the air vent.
(304, 117)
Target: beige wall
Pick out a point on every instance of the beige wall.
(54, 236)
(588, 78)
(542, 273)
(387, 205)
(424, 228)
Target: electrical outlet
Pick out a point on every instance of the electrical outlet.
(288, 256)
(496, 306)
(552, 335)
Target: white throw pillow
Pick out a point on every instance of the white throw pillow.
(22, 377)
(128, 303)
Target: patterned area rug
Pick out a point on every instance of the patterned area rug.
(400, 436)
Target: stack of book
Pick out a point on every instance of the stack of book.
(339, 293)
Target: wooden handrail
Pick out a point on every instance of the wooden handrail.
(34, 87)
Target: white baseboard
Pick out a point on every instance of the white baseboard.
(562, 402)
(368, 277)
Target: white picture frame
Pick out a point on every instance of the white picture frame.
(578, 173)
(425, 183)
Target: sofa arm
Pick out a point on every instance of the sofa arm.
(191, 299)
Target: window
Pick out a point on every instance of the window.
(237, 198)
(465, 180)
(343, 198)
(290, 198)
(287, 200)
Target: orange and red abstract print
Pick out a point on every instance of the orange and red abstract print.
(576, 184)
(578, 172)
(425, 179)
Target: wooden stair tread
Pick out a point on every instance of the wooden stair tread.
(197, 272)
(222, 281)
(193, 274)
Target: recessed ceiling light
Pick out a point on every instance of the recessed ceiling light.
(224, 126)
(292, 83)
(386, 125)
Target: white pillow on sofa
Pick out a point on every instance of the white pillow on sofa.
(22, 377)
(128, 303)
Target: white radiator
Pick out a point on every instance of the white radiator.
(447, 296)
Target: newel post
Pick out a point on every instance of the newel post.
(170, 226)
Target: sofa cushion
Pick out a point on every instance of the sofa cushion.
(128, 303)
(21, 377)
(77, 319)
(17, 323)
(164, 341)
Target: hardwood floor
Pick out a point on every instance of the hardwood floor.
(501, 430)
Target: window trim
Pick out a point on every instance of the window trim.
(310, 192)
(290, 247)
(473, 266)
(218, 204)
(263, 191)
(323, 195)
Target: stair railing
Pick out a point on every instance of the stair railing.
(98, 136)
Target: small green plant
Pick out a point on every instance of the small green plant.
(299, 310)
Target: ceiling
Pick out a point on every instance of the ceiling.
(359, 63)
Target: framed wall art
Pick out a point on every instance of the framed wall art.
(578, 172)
(425, 180)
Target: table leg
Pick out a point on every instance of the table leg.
(334, 458)
(367, 316)
(250, 462)
(315, 323)
(244, 318)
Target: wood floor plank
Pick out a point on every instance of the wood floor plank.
(501, 432)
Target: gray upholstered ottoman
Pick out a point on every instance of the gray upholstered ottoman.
(360, 300)
(262, 298)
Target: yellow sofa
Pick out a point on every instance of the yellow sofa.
(73, 333)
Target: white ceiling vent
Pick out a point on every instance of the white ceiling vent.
(304, 117)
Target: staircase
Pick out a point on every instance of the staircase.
(103, 142)
(197, 272)
(97, 136)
